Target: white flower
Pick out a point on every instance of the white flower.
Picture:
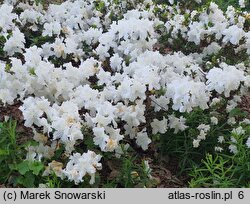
(196, 32)
(31, 154)
(129, 36)
(59, 48)
(204, 127)
(245, 121)
(92, 35)
(101, 138)
(187, 94)
(6, 96)
(233, 149)
(43, 185)
(215, 101)
(143, 140)
(33, 56)
(114, 138)
(159, 126)
(247, 45)
(247, 81)
(160, 103)
(218, 149)
(238, 131)
(53, 28)
(196, 143)
(242, 3)
(178, 124)
(15, 43)
(233, 140)
(233, 34)
(54, 167)
(7, 17)
(40, 151)
(231, 121)
(131, 131)
(116, 62)
(214, 120)
(71, 47)
(248, 142)
(134, 114)
(202, 135)
(224, 80)
(104, 77)
(171, 1)
(221, 139)
(213, 48)
(31, 16)
(33, 110)
(132, 89)
(81, 165)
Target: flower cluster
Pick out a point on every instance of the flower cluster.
(96, 65)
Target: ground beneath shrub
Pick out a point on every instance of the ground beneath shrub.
(163, 171)
(245, 104)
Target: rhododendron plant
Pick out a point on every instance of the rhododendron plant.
(101, 69)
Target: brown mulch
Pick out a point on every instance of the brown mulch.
(166, 177)
(245, 104)
(12, 111)
(53, 1)
(47, 2)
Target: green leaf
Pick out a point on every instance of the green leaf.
(100, 6)
(36, 167)
(7, 67)
(12, 166)
(38, 2)
(32, 71)
(4, 152)
(237, 112)
(27, 180)
(23, 167)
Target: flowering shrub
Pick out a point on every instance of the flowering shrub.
(98, 78)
